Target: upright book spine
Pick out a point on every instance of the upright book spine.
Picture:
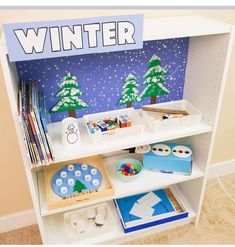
(36, 140)
(33, 128)
(38, 121)
(25, 123)
(27, 143)
(42, 112)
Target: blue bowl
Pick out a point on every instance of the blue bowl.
(132, 161)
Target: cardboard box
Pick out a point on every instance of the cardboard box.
(169, 158)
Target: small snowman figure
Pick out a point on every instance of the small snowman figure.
(70, 133)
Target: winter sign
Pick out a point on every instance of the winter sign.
(76, 178)
(37, 40)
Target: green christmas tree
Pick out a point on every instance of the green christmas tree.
(154, 79)
(130, 93)
(79, 186)
(69, 96)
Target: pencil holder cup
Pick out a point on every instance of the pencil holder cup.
(70, 131)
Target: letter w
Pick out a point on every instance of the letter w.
(32, 41)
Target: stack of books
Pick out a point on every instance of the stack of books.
(34, 118)
(147, 210)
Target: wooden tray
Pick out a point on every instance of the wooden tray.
(54, 201)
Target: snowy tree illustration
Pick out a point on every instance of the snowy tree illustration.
(130, 93)
(79, 186)
(154, 79)
(69, 96)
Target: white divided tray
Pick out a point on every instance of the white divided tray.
(89, 227)
(136, 128)
(186, 121)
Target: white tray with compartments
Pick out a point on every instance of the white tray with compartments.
(186, 121)
(90, 229)
(136, 127)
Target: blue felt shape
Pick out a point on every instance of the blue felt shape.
(125, 204)
(71, 175)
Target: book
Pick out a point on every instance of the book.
(34, 124)
(36, 138)
(44, 116)
(27, 126)
(30, 154)
(35, 109)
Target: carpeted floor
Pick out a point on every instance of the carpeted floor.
(216, 226)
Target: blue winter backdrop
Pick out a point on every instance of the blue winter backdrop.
(101, 76)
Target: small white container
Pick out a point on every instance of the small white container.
(91, 213)
(136, 128)
(70, 131)
(186, 121)
(84, 228)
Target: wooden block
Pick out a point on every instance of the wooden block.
(170, 111)
(54, 201)
(128, 124)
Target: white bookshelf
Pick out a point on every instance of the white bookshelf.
(210, 47)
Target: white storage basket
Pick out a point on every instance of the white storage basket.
(136, 128)
(187, 121)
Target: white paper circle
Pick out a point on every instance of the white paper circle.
(182, 151)
(161, 149)
(95, 182)
(59, 181)
(77, 173)
(70, 167)
(87, 177)
(63, 190)
(84, 167)
(93, 171)
(63, 174)
(143, 149)
(71, 181)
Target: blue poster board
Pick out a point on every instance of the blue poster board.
(101, 75)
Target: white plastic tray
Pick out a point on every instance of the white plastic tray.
(136, 128)
(90, 228)
(187, 121)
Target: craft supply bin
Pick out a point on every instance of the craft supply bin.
(186, 121)
(136, 127)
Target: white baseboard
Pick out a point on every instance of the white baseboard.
(17, 220)
(28, 217)
(222, 169)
